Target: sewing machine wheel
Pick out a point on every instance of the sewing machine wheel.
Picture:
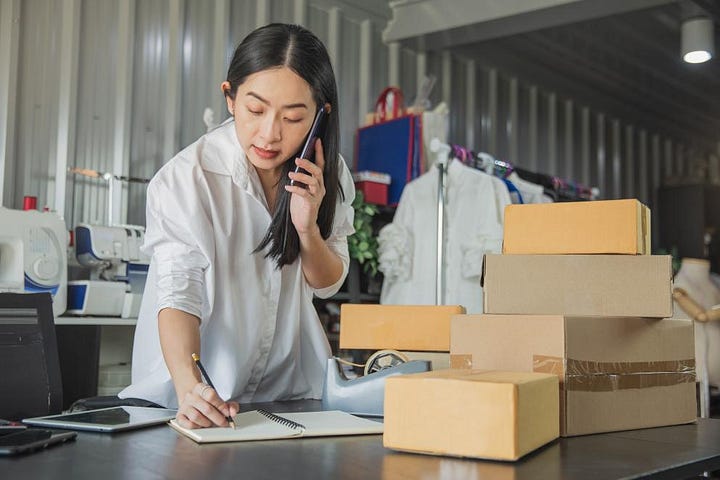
(383, 359)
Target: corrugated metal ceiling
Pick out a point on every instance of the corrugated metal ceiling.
(627, 65)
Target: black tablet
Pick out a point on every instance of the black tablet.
(112, 419)
(31, 440)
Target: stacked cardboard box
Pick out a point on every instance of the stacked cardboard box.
(576, 293)
(420, 332)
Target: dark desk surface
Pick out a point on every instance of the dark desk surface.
(160, 452)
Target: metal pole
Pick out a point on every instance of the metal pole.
(442, 152)
(111, 220)
(440, 284)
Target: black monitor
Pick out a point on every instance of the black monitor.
(29, 364)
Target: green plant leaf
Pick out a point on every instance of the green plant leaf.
(363, 244)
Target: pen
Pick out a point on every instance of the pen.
(205, 375)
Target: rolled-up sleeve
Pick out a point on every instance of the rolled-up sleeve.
(180, 264)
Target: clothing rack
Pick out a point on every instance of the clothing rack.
(442, 158)
(557, 188)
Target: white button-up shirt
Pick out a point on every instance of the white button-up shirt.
(474, 209)
(261, 338)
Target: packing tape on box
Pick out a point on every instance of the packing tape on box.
(461, 361)
(590, 376)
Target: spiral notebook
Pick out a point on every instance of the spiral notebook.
(262, 425)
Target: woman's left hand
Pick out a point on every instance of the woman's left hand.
(305, 202)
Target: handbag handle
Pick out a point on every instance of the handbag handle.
(389, 104)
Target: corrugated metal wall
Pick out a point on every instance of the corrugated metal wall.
(95, 131)
(133, 92)
(36, 115)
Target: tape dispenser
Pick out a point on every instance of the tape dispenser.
(365, 395)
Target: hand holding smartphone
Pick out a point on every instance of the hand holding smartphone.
(316, 131)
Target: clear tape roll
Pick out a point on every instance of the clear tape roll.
(384, 359)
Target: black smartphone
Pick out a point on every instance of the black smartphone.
(32, 439)
(7, 426)
(316, 131)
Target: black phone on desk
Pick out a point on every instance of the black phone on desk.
(32, 440)
(8, 426)
(316, 131)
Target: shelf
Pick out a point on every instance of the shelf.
(71, 320)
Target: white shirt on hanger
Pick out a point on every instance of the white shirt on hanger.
(261, 338)
(531, 192)
(408, 246)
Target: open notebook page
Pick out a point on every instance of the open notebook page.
(254, 425)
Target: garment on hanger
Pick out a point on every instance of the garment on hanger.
(694, 277)
(531, 192)
(474, 210)
(515, 194)
(556, 188)
(485, 163)
(502, 196)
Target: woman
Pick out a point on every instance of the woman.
(238, 252)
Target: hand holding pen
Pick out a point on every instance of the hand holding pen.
(209, 386)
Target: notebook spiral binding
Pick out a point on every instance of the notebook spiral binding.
(281, 420)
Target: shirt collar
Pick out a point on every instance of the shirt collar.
(222, 154)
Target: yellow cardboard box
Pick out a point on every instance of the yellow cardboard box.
(471, 413)
(399, 327)
(607, 226)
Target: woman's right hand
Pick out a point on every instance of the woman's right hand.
(202, 407)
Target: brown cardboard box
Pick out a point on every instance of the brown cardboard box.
(615, 373)
(400, 327)
(471, 413)
(606, 285)
(608, 226)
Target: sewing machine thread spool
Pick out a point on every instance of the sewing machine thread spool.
(29, 202)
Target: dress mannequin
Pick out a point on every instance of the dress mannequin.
(694, 278)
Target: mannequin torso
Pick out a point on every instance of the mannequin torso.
(694, 277)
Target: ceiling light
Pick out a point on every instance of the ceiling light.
(697, 40)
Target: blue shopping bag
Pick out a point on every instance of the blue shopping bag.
(393, 147)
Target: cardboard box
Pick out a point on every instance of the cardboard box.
(373, 185)
(400, 327)
(606, 285)
(608, 226)
(471, 413)
(615, 373)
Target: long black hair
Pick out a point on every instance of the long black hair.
(292, 46)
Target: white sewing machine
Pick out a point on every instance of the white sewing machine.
(33, 255)
(118, 270)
